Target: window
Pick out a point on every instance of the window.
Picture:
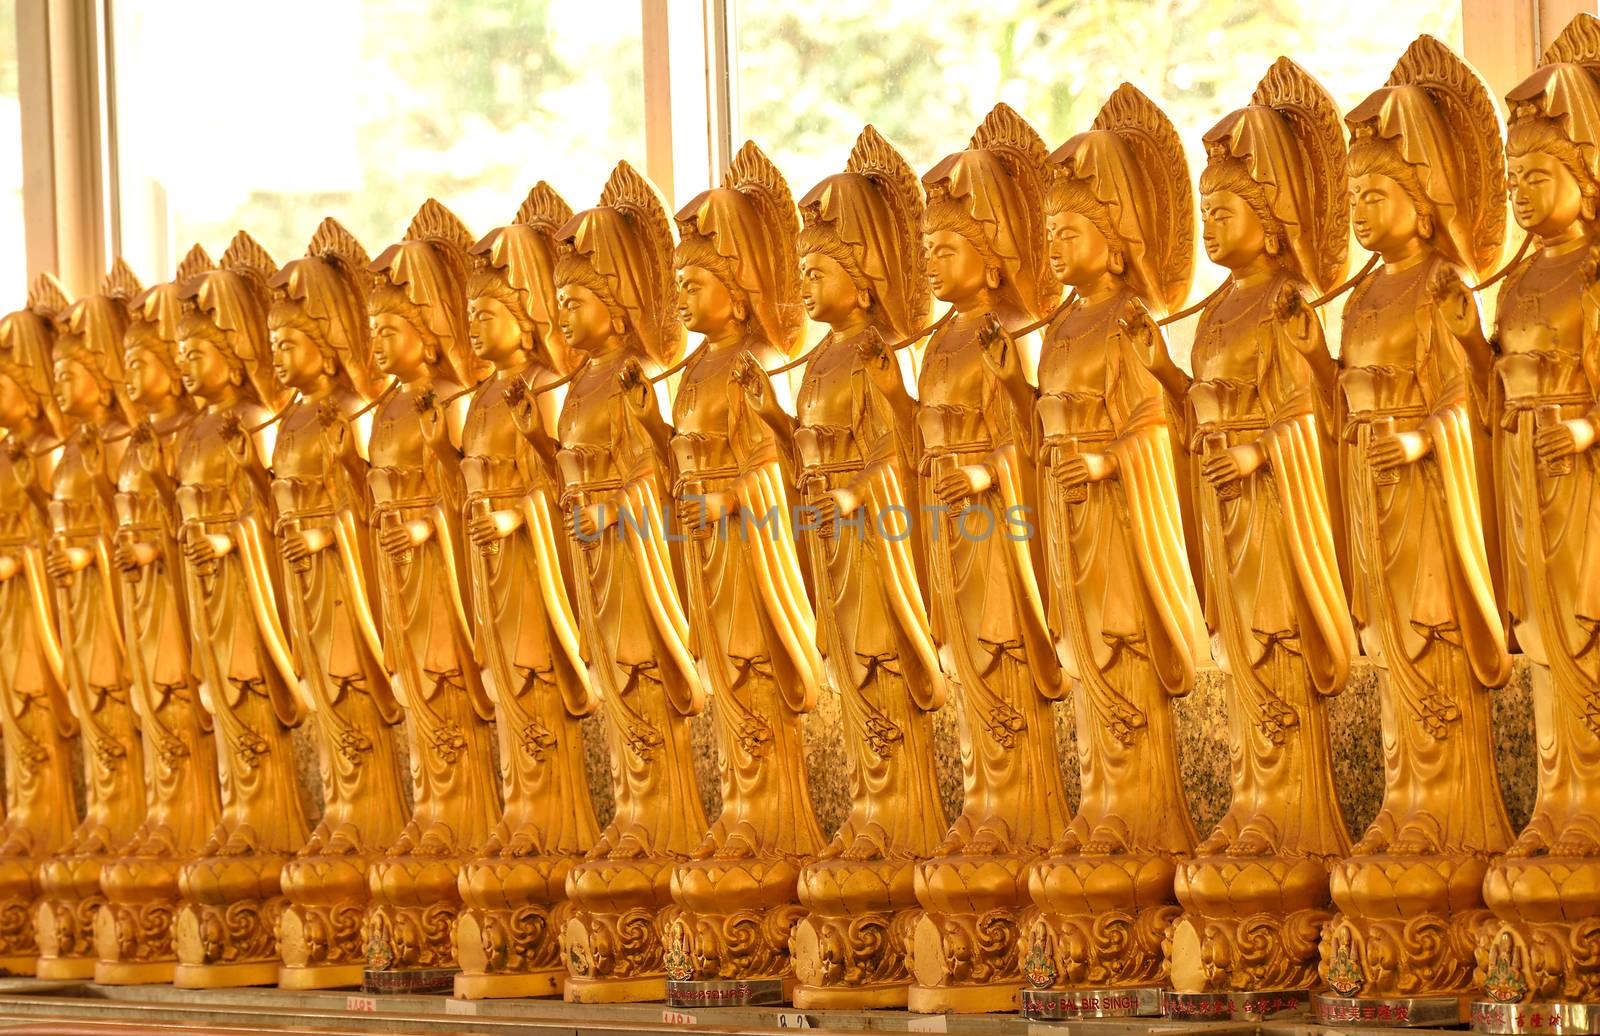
(268, 117)
(14, 260)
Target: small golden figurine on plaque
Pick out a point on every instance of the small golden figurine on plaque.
(1539, 953)
(749, 610)
(228, 926)
(321, 353)
(134, 930)
(1275, 213)
(520, 571)
(853, 439)
(1427, 194)
(1119, 224)
(418, 314)
(616, 304)
(35, 720)
(89, 391)
(984, 241)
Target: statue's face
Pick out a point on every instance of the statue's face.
(14, 408)
(827, 291)
(704, 303)
(1544, 195)
(296, 359)
(955, 266)
(492, 329)
(397, 348)
(204, 368)
(584, 319)
(75, 389)
(1382, 214)
(1233, 234)
(145, 377)
(1079, 253)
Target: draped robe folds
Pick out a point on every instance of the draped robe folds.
(36, 723)
(237, 643)
(92, 646)
(333, 630)
(868, 574)
(1549, 356)
(987, 610)
(1273, 593)
(180, 755)
(526, 635)
(427, 633)
(752, 627)
(631, 617)
(1122, 602)
(1424, 598)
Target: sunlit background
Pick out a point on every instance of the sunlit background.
(270, 116)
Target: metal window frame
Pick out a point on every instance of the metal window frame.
(67, 64)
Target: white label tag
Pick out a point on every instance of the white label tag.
(791, 1020)
(927, 1023)
(361, 1003)
(454, 1006)
(677, 1018)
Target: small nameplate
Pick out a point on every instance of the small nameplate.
(792, 1020)
(1417, 1012)
(691, 993)
(361, 1003)
(677, 1018)
(926, 1023)
(1538, 1019)
(1234, 1006)
(1054, 1005)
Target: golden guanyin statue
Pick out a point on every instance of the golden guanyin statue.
(228, 925)
(755, 636)
(418, 317)
(1119, 224)
(1261, 411)
(616, 305)
(134, 930)
(519, 568)
(977, 454)
(1427, 195)
(861, 274)
(1545, 891)
(35, 720)
(321, 353)
(89, 391)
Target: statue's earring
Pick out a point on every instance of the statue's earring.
(863, 298)
(991, 277)
(1425, 225)
(738, 309)
(1588, 208)
(1272, 244)
(617, 327)
(235, 376)
(1116, 264)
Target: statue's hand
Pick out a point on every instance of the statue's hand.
(430, 417)
(487, 528)
(999, 352)
(147, 448)
(1564, 438)
(299, 545)
(1391, 451)
(1232, 464)
(966, 481)
(338, 438)
(1456, 305)
(9, 567)
(1077, 468)
(878, 361)
(752, 378)
(398, 539)
(202, 547)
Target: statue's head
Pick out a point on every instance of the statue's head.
(318, 321)
(222, 332)
(150, 371)
(511, 303)
(1552, 164)
(418, 305)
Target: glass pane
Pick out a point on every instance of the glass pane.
(267, 117)
(13, 259)
(811, 72)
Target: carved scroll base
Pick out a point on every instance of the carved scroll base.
(412, 918)
(964, 944)
(1544, 945)
(613, 937)
(227, 933)
(1100, 922)
(851, 949)
(322, 936)
(64, 925)
(133, 932)
(19, 891)
(1249, 923)
(734, 920)
(1407, 926)
(508, 939)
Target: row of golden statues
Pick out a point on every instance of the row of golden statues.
(447, 486)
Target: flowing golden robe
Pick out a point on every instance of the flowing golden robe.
(1121, 600)
(1549, 337)
(632, 620)
(41, 810)
(180, 755)
(243, 682)
(427, 634)
(747, 611)
(1424, 599)
(987, 610)
(335, 639)
(533, 668)
(1273, 594)
(868, 577)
